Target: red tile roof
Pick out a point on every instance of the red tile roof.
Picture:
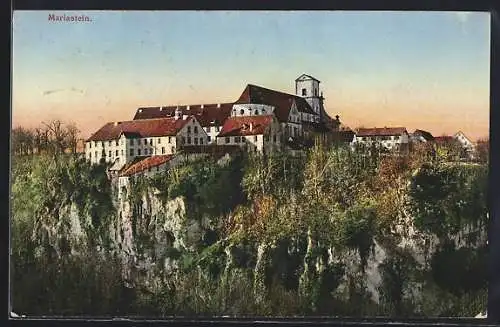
(208, 115)
(143, 164)
(246, 125)
(140, 128)
(385, 131)
(281, 101)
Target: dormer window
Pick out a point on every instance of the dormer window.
(242, 112)
(304, 92)
(256, 112)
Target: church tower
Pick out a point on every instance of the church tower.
(307, 87)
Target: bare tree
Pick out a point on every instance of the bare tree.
(57, 135)
(72, 133)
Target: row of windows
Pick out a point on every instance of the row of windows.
(209, 128)
(379, 138)
(194, 140)
(149, 151)
(255, 112)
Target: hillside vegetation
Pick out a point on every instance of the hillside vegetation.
(334, 232)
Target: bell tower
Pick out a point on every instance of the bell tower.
(307, 87)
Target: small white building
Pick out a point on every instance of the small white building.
(389, 138)
(262, 134)
(466, 144)
(121, 142)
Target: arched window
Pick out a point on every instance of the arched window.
(256, 112)
(242, 112)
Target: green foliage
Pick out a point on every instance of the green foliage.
(308, 212)
(446, 197)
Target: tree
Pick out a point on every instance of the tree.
(72, 133)
(483, 150)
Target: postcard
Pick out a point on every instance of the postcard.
(271, 164)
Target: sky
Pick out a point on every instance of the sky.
(425, 70)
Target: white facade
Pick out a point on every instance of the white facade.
(125, 149)
(464, 141)
(308, 88)
(251, 109)
(268, 142)
(389, 142)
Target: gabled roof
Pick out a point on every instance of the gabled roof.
(463, 134)
(140, 128)
(384, 131)
(146, 163)
(306, 77)
(206, 114)
(426, 135)
(246, 125)
(281, 101)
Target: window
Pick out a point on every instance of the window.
(201, 140)
(102, 144)
(131, 152)
(255, 138)
(122, 152)
(116, 142)
(183, 140)
(189, 140)
(316, 92)
(189, 129)
(150, 141)
(96, 154)
(236, 139)
(242, 112)
(109, 142)
(208, 129)
(138, 152)
(159, 141)
(150, 151)
(196, 140)
(157, 168)
(274, 138)
(195, 129)
(256, 112)
(162, 150)
(131, 142)
(228, 139)
(149, 169)
(169, 139)
(209, 139)
(116, 153)
(263, 111)
(90, 155)
(90, 144)
(109, 154)
(266, 138)
(138, 142)
(304, 92)
(145, 142)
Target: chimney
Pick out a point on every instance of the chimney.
(202, 106)
(188, 107)
(161, 108)
(116, 123)
(178, 113)
(218, 105)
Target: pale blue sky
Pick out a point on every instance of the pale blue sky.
(391, 68)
